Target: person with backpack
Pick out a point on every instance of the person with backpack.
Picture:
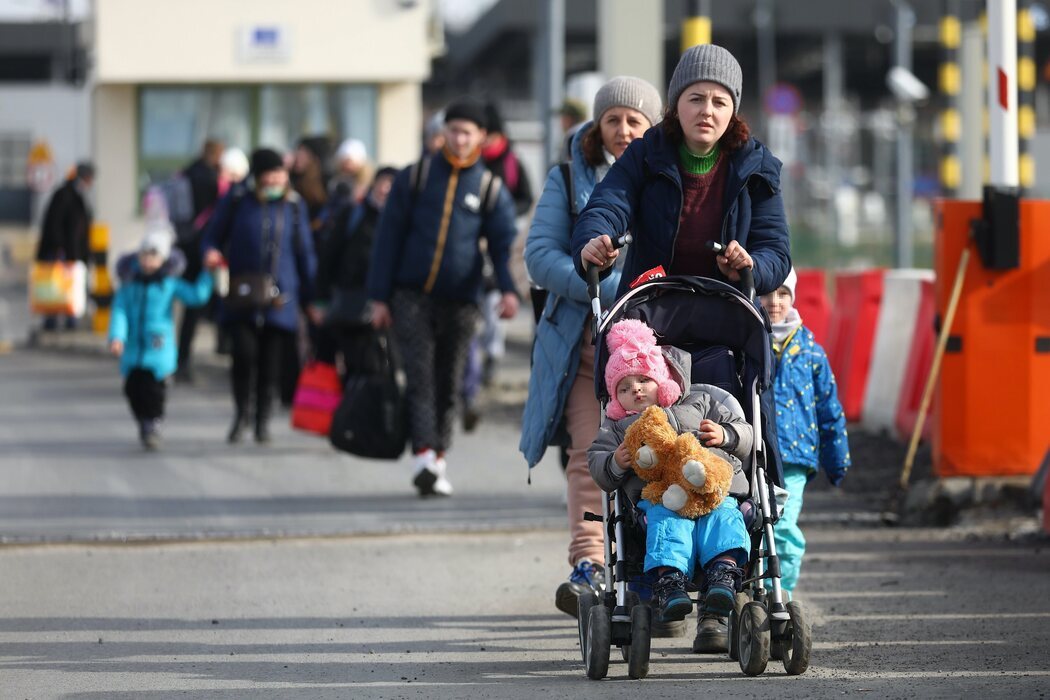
(561, 386)
(202, 183)
(426, 276)
(261, 231)
(342, 271)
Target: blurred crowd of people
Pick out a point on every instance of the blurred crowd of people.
(296, 257)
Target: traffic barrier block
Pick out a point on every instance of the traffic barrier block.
(901, 293)
(920, 361)
(852, 334)
(813, 304)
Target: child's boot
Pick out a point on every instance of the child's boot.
(670, 600)
(149, 433)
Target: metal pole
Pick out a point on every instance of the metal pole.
(834, 89)
(1002, 92)
(553, 71)
(903, 255)
(767, 52)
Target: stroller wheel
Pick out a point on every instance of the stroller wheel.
(599, 638)
(586, 602)
(739, 601)
(641, 639)
(754, 639)
(795, 650)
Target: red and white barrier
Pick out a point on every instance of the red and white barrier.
(893, 344)
(813, 303)
(854, 316)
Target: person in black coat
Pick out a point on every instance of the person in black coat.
(203, 174)
(67, 222)
(67, 219)
(342, 273)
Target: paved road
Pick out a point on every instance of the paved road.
(294, 572)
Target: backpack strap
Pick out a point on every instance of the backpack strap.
(489, 191)
(417, 176)
(570, 188)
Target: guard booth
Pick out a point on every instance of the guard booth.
(992, 415)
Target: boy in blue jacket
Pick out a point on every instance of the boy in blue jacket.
(811, 425)
(141, 327)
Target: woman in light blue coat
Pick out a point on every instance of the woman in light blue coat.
(561, 388)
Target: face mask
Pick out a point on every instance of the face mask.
(273, 193)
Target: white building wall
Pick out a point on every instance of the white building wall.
(189, 41)
(113, 117)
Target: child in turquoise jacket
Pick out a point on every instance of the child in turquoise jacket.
(141, 327)
(811, 425)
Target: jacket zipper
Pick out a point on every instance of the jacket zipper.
(142, 324)
(446, 217)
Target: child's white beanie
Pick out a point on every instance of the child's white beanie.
(158, 239)
(790, 282)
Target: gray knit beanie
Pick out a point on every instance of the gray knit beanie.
(706, 62)
(625, 91)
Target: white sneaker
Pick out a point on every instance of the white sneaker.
(442, 486)
(425, 470)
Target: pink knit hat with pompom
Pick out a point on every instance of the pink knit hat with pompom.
(633, 350)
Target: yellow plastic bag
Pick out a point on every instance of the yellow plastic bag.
(58, 288)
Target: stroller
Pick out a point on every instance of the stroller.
(728, 340)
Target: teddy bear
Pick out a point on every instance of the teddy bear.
(681, 474)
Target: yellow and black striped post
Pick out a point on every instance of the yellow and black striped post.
(696, 27)
(100, 286)
(1026, 73)
(949, 83)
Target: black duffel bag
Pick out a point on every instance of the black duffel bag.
(372, 418)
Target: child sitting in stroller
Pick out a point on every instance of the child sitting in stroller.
(640, 374)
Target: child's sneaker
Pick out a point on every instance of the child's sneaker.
(586, 578)
(722, 581)
(670, 601)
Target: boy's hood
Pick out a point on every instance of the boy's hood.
(680, 363)
(128, 266)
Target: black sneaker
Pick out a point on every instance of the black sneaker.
(712, 635)
(670, 601)
(587, 578)
(721, 584)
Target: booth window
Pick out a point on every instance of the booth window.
(175, 121)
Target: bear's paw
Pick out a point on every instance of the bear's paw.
(645, 458)
(695, 473)
(674, 497)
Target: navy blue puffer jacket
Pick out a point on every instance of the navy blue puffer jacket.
(643, 194)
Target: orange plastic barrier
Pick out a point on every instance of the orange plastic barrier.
(811, 300)
(852, 335)
(920, 359)
(995, 375)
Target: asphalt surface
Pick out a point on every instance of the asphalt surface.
(295, 572)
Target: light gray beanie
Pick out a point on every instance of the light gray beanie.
(625, 91)
(706, 62)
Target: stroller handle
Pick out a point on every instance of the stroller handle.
(593, 282)
(747, 277)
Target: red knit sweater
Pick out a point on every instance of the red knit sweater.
(700, 221)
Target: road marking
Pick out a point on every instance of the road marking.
(805, 595)
(960, 553)
(937, 616)
(838, 646)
